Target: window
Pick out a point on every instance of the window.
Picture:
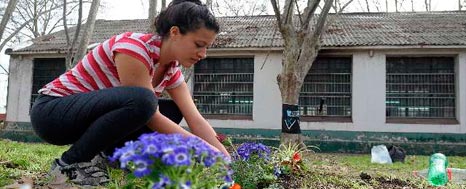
(224, 86)
(45, 70)
(420, 87)
(326, 90)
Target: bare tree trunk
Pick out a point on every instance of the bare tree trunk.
(87, 33)
(209, 5)
(386, 5)
(152, 14)
(367, 6)
(6, 16)
(164, 4)
(412, 5)
(459, 5)
(428, 4)
(301, 46)
(396, 5)
(70, 53)
(65, 24)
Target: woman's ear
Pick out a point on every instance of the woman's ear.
(175, 32)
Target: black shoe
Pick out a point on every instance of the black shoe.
(102, 161)
(83, 173)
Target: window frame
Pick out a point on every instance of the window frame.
(36, 87)
(425, 120)
(249, 73)
(333, 118)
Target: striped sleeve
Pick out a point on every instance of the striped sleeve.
(135, 48)
(176, 79)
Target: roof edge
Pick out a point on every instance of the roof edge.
(268, 49)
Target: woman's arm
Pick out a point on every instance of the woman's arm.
(132, 72)
(197, 124)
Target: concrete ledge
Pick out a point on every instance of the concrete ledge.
(325, 141)
(360, 142)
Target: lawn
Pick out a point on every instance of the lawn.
(29, 163)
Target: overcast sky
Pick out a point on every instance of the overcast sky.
(137, 9)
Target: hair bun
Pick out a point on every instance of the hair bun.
(198, 2)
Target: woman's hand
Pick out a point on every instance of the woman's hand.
(197, 124)
(218, 147)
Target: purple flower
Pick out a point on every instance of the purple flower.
(171, 155)
(182, 156)
(186, 185)
(164, 181)
(228, 177)
(168, 159)
(126, 153)
(246, 150)
(150, 137)
(276, 171)
(178, 157)
(151, 148)
(142, 166)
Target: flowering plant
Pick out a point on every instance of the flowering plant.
(224, 139)
(287, 158)
(251, 162)
(174, 161)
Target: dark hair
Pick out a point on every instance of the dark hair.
(188, 15)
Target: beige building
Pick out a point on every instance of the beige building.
(391, 78)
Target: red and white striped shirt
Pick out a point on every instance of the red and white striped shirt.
(97, 70)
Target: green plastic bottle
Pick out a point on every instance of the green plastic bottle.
(437, 174)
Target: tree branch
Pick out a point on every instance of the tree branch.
(88, 30)
(276, 10)
(69, 55)
(288, 12)
(65, 24)
(322, 19)
(344, 6)
(4, 42)
(6, 71)
(309, 12)
(6, 16)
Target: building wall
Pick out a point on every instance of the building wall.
(19, 89)
(267, 99)
(368, 95)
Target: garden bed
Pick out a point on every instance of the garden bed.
(25, 163)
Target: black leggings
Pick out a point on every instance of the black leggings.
(97, 121)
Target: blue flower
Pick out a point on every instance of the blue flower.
(149, 137)
(173, 156)
(164, 181)
(181, 156)
(142, 166)
(126, 153)
(186, 185)
(228, 177)
(168, 159)
(246, 150)
(276, 171)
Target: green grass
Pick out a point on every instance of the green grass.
(321, 170)
(344, 170)
(25, 159)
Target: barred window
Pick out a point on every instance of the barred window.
(45, 70)
(224, 86)
(326, 90)
(420, 87)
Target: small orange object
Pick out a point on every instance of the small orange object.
(235, 186)
(296, 157)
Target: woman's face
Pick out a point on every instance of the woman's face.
(191, 47)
